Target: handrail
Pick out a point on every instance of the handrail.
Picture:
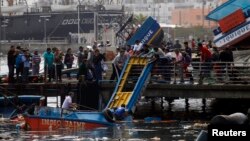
(219, 72)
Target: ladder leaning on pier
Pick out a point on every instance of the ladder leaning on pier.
(123, 94)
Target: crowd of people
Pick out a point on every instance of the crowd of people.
(176, 59)
(91, 60)
(22, 63)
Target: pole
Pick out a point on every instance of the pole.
(78, 24)
(0, 8)
(45, 19)
(203, 4)
(95, 25)
(44, 24)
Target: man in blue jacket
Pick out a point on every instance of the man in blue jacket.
(120, 113)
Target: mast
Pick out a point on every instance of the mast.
(78, 22)
(0, 7)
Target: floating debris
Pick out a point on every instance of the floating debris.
(155, 139)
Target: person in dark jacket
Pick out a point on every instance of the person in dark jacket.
(97, 59)
(121, 112)
(11, 63)
(68, 61)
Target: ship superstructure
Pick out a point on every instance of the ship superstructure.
(58, 20)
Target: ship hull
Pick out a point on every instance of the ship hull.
(56, 25)
(46, 124)
(49, 118)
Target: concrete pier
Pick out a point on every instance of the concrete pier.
(153, 90)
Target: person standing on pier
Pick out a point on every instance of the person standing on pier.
(97, 61)
(186, 63)
(36, 60)
(26, 65)
(179, 64)
(137, 47)
(80, 56)
(120, 60)
(11, 63)
(188, 49)
(19, 63)
(58, 64)
(68, 61)
(206, 60)
(48, 63)
(115, 74)
(177, 45)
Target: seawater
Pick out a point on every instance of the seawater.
(172, 130)
(177, 128)
(136, 131)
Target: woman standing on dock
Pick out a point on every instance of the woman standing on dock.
(68, 61)
(58, 64)
(36, 59)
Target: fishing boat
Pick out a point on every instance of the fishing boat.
(124, 94)
(10, 106)
(233, 18)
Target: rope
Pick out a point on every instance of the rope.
(13, 94)
(86, 107)
(9, 101)
(6, 97)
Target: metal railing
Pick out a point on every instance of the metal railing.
(196, 72)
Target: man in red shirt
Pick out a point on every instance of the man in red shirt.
(206, 59)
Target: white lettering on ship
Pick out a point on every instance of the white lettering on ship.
(75, 21)
(71, 124)
(146, 38)
(233, 36)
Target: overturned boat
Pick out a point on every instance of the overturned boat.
(124, 93)
(233, 18)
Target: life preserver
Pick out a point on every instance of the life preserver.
(108, 115)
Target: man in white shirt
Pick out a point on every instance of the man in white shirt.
(67, 103)
(179, 64)
(137, 47)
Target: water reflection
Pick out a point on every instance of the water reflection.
(139, 131)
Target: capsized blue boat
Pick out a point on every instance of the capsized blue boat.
(149, 33)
